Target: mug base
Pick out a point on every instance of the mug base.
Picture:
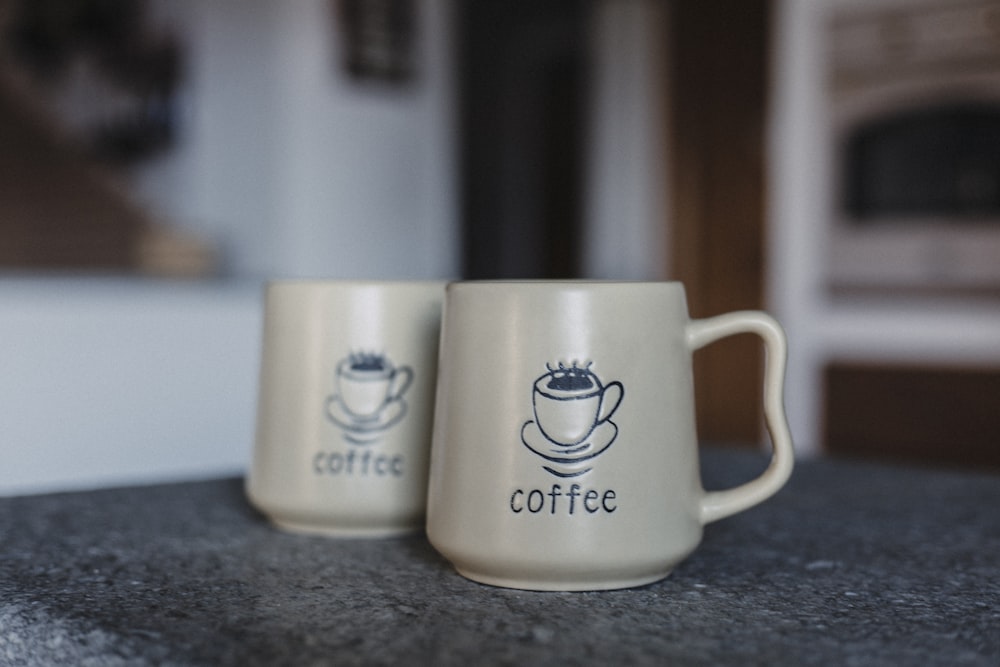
(596, 584)
(302, 528)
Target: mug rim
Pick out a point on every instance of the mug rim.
(352, 282)
(561, 283)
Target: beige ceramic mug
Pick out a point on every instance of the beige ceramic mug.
(564, 454)
(345, 405)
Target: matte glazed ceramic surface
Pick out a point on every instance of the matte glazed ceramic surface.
(564, 453)
(345, 406)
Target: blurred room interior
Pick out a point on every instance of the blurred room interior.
(835, 162)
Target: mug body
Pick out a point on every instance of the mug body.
(341, 444)
(564, 453)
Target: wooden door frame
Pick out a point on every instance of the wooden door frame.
(718, 59)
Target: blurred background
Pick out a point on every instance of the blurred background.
(835, 162)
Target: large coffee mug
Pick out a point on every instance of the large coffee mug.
(345, 405)
(564, 454)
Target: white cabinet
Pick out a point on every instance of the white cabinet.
(887, 325)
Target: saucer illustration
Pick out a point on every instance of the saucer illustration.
(368, 429)
(569, 461)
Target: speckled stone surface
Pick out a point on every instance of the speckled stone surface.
(851, 564)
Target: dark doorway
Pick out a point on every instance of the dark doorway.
(523, 88)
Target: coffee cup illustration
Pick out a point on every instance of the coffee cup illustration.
(367, 383)
(570, 402)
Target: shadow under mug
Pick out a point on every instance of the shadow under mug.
(564, 454)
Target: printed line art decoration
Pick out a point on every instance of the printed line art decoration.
(572, 418)
(369, 396)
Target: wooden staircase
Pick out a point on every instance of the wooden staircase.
(62, 211)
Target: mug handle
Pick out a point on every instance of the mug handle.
(717, 505)
(608, 406)
(401, 379)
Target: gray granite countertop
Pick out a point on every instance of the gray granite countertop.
(851, 564)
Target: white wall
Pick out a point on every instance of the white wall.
(296, 170)
(367, 175)
(114, 381)
(626, 205)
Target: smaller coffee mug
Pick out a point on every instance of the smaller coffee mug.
(564, 454)
(345, 406)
